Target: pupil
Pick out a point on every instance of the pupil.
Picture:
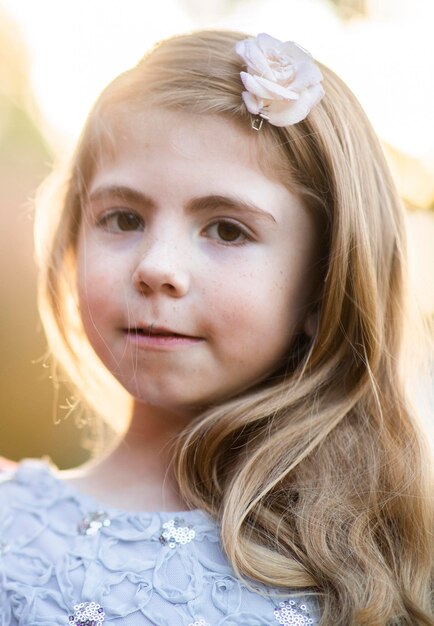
(128, 221)
(228, 232)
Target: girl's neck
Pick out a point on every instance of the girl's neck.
(151, 424)
(137, 473)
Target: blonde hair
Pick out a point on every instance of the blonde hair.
(319, 477)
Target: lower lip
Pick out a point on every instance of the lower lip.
(162, 341)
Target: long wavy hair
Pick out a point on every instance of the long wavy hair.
(319, 477)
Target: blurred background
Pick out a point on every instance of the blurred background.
(55, 57)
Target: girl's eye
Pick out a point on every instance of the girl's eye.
(121, 221)
(228, 232)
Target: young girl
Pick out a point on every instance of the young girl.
(230, 248)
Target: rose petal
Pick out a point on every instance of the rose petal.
(306, 75)
(295, 52)
(240, 47)
(254, 58)
(253, 104)
(285, 114)
(258, 64)
(265, 42)
(283, 75)
(274, 90)
(268, 90)
(251, 84)
(316, 93)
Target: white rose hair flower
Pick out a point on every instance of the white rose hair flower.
(282, 81)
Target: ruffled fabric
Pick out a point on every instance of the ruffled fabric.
(67, 560)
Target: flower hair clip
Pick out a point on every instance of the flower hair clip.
(282, 81)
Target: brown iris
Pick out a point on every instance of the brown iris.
(128, 221)
(228, 231)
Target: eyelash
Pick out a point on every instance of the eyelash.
(108, 223)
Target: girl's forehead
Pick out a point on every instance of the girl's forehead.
(190, 136)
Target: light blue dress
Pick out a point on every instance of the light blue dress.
(67, 560)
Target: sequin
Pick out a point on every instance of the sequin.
(292, 614)
(92, 523)
(4, 548)
(176, 531)
(199, 622)
(87, 614)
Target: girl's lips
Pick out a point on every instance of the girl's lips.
(156, 337)
(152, 330)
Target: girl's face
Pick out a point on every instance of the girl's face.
(194, 266)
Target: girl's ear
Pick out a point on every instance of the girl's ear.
(311, 322)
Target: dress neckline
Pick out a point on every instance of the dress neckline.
(31, 470)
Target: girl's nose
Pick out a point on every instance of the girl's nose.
(161, 270)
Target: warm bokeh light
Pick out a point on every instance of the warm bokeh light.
(76, 47)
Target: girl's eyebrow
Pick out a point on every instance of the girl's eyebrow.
(201, 203)
(122, 192)
(216, 201)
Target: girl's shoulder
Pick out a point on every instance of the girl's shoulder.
(28, 485)
(63, 555)
(20, 472)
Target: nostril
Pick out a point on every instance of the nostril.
(156, 277)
